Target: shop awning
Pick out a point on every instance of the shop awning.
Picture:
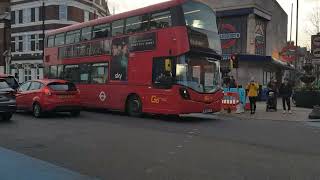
(266, 60)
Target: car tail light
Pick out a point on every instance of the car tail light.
(47, 92)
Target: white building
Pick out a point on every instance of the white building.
(27, 29)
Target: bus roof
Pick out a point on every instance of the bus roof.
(141, 11)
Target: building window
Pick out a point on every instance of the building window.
(20, 44)
(38, 73)
(39, 45)
(13, 44)
(13, 17)
(41, 14)
(63, 12)
(33, 14)
(26, 17)
(33, 42)
(20, 16)
(27, 74)
(86, 16)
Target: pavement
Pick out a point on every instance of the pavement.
(107, 145)
(298, 114)
(16, 166)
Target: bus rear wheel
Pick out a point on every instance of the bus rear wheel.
(134, 106)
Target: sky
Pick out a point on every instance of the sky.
(305, 8)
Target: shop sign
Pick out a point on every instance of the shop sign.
(315, 47)
(288, 53)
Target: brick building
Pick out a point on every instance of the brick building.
(28, 20)
(4, 34)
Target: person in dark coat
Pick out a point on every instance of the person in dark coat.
(233, 83)
(272, 86)
(286, 93)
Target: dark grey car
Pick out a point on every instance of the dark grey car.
(7, 101)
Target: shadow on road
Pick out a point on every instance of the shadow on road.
(56, 116)
(165, 118)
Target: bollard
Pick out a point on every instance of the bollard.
(315, 114)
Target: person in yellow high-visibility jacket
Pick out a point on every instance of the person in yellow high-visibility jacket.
(253, 89)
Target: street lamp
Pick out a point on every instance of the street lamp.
(43, 26)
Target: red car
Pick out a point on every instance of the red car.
(41, 96)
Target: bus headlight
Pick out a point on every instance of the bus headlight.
(184, 93)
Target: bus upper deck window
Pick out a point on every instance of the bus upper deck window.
(50, 41)
(59, 39)
(101, 31)
(160, 20)
(117, 27)
(86, 33)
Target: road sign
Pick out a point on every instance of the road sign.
(315, 48)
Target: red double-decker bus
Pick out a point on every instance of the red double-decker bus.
(162, 59)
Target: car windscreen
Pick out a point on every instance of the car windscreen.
(56, 86)
(4, 84)
(12, 82)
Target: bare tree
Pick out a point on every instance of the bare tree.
(314, 22)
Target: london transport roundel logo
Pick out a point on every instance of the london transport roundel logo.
(102, 96)
(229, 35)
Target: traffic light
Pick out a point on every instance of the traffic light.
(234, 61)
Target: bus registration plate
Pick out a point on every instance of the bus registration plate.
(207, 110)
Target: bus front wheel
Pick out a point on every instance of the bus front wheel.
(134, 106)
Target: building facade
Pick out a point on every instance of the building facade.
(4, 34)
(30, 19)
(257, 31)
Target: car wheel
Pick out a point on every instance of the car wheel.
(37, 112)
(134, 106)
(6, 117)
(75, 113)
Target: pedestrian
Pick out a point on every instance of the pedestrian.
(252, 89)
(233, 83)
(226, 82)
(272, 86)
(286, 93)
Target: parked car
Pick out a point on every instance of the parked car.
(40, 96)
(11, 80)
(7, 100)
